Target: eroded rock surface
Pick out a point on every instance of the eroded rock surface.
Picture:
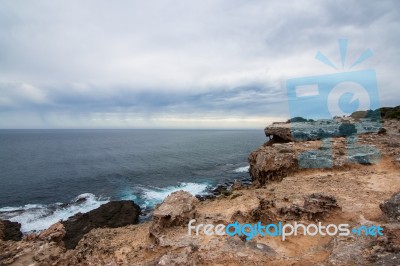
(391, 207)
(316, 206)
(390, 241)
(54, 233)
(321, 129)
(348, 251)
(272, 163)
(314, 145)
(29, 252)
(176, 210)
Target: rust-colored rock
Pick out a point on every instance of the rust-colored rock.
(280, 131)
(176, 210)
(54, 233)
(272, 163)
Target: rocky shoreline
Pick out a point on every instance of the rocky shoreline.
(360, 188)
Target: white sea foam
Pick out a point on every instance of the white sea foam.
(21, 208)
(10, 209)
(156, 195)
(243, 169)
(35, 217)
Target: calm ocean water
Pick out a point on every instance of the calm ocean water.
(44, 174)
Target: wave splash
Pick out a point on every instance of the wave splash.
(148, 197)
(37, 217)
(157, 195)
(243, 169)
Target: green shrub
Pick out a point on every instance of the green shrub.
(299, 119)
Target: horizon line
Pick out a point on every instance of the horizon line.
(131, 128)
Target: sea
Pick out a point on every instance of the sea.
(49, 175)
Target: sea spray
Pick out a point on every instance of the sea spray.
(37, 217)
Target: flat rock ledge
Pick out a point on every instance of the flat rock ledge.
(317, 130)
(317, 144)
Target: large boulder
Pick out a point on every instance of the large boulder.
(54, 233)
(391, 207)
(10, 230)
(279, 130)
(112, 214)
(176, 210)
(272, 163)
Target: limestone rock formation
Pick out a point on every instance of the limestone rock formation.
(272, 163)
(281, 131)
(54, 233)
(112, 214)
(320, 129)
(176, 259)
(303, 131)
(177, 209)
(34, 253)
(319, 144)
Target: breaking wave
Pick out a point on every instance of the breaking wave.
(37, 217)
(243, 169)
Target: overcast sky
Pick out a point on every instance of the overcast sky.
(180, 64)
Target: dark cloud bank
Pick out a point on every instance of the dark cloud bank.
(179, 64)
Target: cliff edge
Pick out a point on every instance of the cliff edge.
(360, 189)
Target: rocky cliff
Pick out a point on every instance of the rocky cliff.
(355, 193)
(316, 144)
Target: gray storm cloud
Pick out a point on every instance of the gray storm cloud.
(178, 63)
